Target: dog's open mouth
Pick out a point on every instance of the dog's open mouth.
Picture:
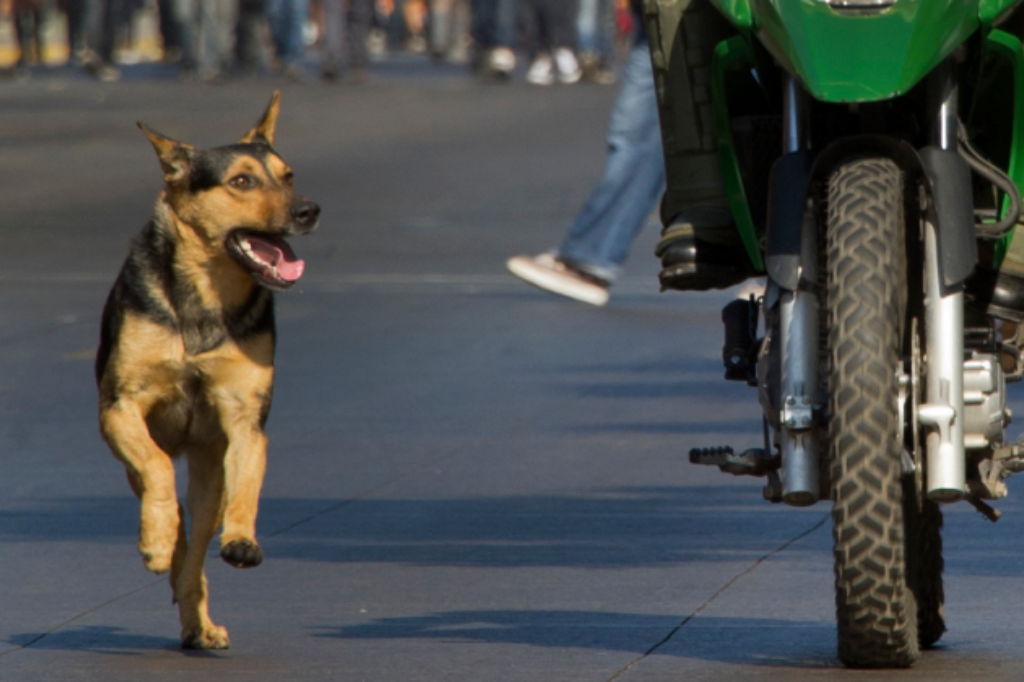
(269, 258)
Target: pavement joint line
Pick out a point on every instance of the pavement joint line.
(81, 615)
(750, 569)
(361, 496)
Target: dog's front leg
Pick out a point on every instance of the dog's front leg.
(151, 475)
(240, 390)
(206, 506)
(244, 464)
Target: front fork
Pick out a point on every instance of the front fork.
(799, 338)
(943, 411)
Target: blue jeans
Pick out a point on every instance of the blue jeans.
(493, 23)
(634, 177)
(287, 21)
(595, 28)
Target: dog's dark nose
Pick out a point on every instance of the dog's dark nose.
(305, 213)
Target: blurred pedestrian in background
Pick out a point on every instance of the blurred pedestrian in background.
(448, 22)
(113, 28)
(252, 22)
(551, 27)
(212, 39)
(591, 256)
(215, 39)
(182, 17)
(493, 30)
(83, 22)
(595, 41)
(287, 25)
(346, 30)
(28, 25)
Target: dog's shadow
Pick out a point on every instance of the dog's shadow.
(101, 639)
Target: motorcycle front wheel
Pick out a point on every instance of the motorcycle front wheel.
(866, 288)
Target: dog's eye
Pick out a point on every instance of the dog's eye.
(289, 178)
(243, 182)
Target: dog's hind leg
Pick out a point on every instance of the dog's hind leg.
(206, 507)
(151, 475)
(180, 552)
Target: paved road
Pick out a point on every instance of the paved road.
(469, 479)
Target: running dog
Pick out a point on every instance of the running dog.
(186, 358)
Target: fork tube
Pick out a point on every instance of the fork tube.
(794, 116)
(943, 411)
(798, 317)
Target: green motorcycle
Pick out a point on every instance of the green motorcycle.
(871, 153)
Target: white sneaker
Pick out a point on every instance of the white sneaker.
(550, 274)
(568, 67)
(502, 60)
(541, 71)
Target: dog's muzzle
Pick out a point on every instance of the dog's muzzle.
(306, 215)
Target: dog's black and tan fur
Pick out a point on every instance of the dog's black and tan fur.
(186, 358)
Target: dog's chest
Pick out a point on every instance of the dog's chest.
(186, 414)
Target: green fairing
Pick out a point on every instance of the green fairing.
(843, 57)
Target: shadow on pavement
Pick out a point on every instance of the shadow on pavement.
(705, 427)
(627, 527)
(100, 639)
(615, 527)
(742, 641)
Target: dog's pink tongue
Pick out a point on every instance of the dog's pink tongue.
(277, 253)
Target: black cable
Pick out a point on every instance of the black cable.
(985, 168)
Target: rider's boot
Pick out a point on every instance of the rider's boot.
(699, 256)
(700, 247)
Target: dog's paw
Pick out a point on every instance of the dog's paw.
(212, 637)
(242, 553)
(156, 562)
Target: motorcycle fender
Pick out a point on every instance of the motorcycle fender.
(953, 202)
(787, 201)
(947, 179)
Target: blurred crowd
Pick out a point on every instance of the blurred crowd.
(554, 41)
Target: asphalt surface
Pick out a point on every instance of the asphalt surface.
(469, 479)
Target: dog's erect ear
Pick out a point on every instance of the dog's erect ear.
(175, 157)
(264, 130)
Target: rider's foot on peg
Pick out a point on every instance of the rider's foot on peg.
(698, 259)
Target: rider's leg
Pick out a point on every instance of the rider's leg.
(700, 247)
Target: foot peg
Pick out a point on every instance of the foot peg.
(752, 462)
